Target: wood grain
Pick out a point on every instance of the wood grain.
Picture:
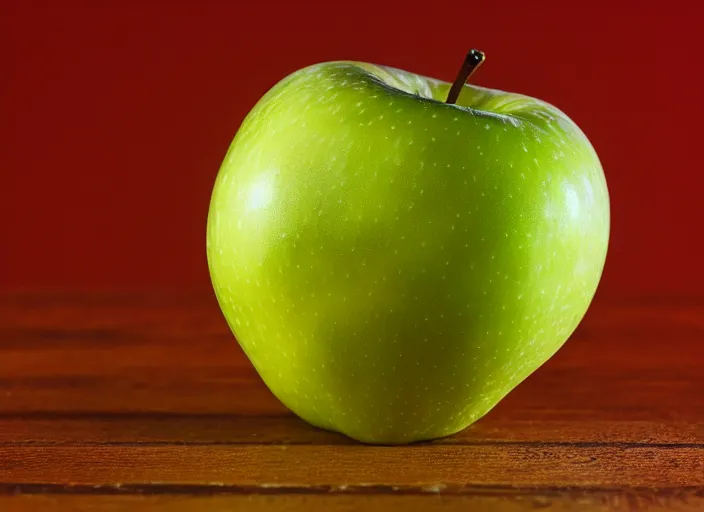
(488, 500)
(136, 429)
(293, 466)
(147, 403)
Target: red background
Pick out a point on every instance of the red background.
(114, 119)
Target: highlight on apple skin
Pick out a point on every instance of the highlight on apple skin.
(393, 265)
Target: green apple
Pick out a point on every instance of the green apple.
(393, 265)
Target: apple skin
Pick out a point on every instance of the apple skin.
(393, 265)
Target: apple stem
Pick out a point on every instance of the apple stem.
(471, 62)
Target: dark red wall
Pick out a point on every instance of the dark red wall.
(114, 119)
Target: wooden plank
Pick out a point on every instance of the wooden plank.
(486, 501)
(80, 355)
(105, 400)
(357, 465)
(590, 394)
(152, 429)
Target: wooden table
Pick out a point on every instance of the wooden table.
(113, 403)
